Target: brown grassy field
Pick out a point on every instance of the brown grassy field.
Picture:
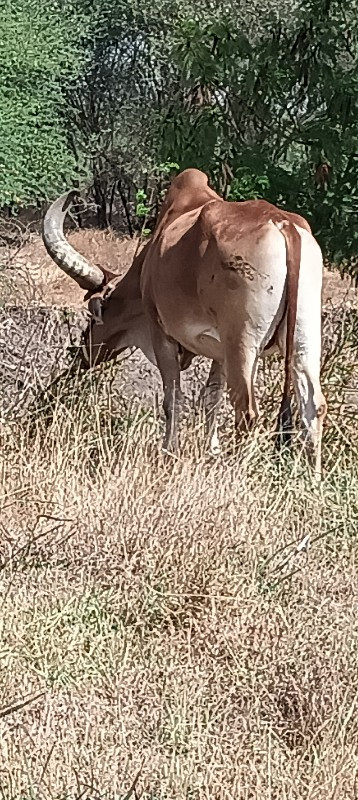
(184, 630)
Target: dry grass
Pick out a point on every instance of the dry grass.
(165, 633)
(161, 622)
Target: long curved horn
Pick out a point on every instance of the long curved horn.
(66, 257)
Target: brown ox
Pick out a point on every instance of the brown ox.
(229, 281)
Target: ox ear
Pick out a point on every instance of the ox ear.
(95, 308)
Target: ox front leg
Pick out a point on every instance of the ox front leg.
(211, 397)
(167, 356)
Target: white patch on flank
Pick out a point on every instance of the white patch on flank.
(194, 331)
(212, 333)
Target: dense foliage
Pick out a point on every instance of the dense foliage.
(103, 92)
(38, 53)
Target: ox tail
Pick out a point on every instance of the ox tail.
(293, 259)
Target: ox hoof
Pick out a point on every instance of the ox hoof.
(214, 446)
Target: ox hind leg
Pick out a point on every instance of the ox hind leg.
(310, 399)
(211, 396)
(307, 352)
(312, 405)
(241, 368)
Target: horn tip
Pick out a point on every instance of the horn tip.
(71, 197)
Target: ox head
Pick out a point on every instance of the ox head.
(118, 322)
